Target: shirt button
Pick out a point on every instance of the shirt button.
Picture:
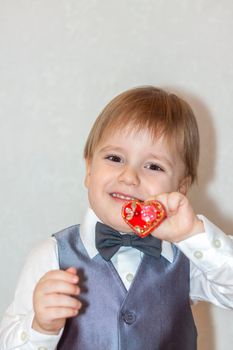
(129, 277)
(217, 243)
(23, 336)
(129, 317)
(198, 254)
(42, 348)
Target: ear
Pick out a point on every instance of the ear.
(184, 185)
(88, 172)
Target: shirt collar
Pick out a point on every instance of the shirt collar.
(87, 228)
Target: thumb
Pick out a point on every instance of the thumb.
(175, 200)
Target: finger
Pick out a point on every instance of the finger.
(61, 275)
(174, 201)
(58, 286)
(56, 313)
(72, 270)
(61, 300)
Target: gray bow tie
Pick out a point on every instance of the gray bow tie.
(108, 241)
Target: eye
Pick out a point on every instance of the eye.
(113, 158)
(154, 167)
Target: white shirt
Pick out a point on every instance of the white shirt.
(211, 278)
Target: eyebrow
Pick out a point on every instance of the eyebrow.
(110, 147)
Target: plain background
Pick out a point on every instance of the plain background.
(61, 61)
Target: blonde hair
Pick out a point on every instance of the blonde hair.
(158, 111)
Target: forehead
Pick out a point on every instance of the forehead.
(170, 141)
(128, 131)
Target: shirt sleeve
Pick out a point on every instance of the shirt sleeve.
(211, 265)
(16, 327)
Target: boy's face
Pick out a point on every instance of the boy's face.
(127, 166)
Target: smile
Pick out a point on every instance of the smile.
(122, 196)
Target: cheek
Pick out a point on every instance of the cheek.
(95, 183)
(159, 184)
(91, 174)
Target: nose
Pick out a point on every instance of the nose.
(129, 176)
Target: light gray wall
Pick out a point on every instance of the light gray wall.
(60, 63)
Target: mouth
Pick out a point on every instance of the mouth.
(123, 197)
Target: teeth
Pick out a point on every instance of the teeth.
(116, 195)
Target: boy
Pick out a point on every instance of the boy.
(73, 294)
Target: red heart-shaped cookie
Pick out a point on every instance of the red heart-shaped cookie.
(143, 217)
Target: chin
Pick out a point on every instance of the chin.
(116, 223)
(121, 227)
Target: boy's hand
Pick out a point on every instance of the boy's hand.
(54, 300)
(181, 221)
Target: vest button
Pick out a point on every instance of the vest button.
(129, 317)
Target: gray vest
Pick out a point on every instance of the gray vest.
(154, 314)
